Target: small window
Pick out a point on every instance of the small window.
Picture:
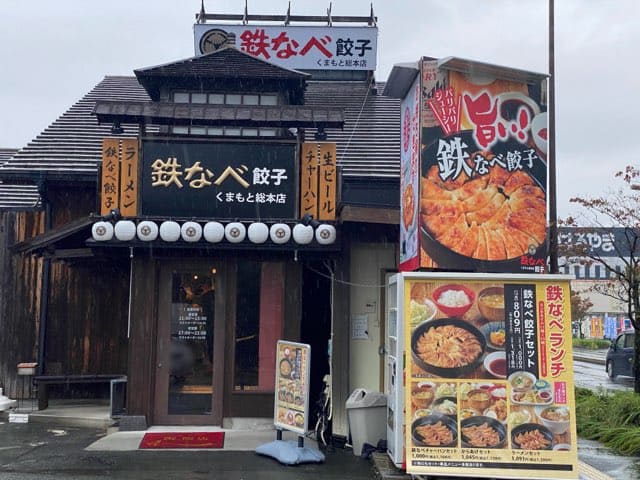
(250, 99)
(198, 131)
(232, 131)
(268, 99)
(181, 130)
(216, 98)
(629, 340)
(181, 97)
(249, 132)
(215, 131)
(234, 99)
(267, 132)
(198, 98)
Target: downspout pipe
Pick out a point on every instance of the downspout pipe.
(46, 282)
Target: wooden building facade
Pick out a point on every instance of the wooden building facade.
(192, 323)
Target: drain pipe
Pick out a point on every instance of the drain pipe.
(44, 295)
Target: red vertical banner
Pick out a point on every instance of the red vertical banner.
(309, 180)
(110, 180)
(129, 178)
(328, 180)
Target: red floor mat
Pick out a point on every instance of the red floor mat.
(182, 440)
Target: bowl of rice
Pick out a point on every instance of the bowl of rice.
(453, 300)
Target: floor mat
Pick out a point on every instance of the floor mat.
(154, 440)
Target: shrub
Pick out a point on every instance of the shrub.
(610, 418)
(591, 343)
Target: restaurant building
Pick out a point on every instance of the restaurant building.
(190, 216)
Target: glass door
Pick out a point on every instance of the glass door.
(189, 349)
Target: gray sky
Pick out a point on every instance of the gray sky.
(53, 52)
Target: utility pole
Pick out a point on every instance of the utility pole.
(551, 155)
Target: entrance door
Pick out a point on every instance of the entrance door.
(190, 353)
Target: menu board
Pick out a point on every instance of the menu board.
(292, 386)
(489, 388)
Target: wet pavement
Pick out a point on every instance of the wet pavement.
(46, 451)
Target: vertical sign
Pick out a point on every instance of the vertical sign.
(309, 180)
(327, 197)
(110, 182)
(129, 178)
(291, 406)
(489, 378)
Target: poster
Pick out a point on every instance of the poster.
(489, 389)
(292, 386)
(483, 170)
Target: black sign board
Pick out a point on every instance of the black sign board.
(218, 180)
(521, 328)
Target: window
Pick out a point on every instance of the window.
(216, 98)
(629, 340)
(268, 99)
(250, 99)
(198, 98)
(180, 97)
(259, 309)
(233, 99)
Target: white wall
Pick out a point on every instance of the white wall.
(368, 260)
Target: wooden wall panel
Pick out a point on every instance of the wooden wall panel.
(19, 298)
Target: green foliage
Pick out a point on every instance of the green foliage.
(612, 419)
(591, 343)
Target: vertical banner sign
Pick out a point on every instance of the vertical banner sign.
(129, 178)
(291, 406)
(327, 198)
(110, 182)
(489, 384)
(309, 180)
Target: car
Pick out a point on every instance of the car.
(619, 360)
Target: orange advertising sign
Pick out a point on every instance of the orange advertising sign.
(309, 180)
(110, 180)
(129, 178)
(328, 180)
(489, 385)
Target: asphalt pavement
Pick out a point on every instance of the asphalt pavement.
(46, 451)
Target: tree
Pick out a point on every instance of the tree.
(580, 306)
(619, 208)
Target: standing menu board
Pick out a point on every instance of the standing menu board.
(489, 389)
(291, 410)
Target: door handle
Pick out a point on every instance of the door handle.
(160, 365)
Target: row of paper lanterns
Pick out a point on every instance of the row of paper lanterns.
(212, 232)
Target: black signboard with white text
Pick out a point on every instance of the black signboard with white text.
(218, 180)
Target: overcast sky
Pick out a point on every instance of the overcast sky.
(54, 52)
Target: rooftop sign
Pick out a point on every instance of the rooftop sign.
(296, 47)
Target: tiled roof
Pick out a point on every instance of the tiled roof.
(70, 148)
(16, 197)
(369, 144)
(228, 62)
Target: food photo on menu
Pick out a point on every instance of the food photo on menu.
(463, 394)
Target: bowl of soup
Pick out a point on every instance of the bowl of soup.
(491, 304)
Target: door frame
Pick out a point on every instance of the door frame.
(160, 398)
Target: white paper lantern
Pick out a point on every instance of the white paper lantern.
(213, 232)
(258, 232)
(147, 231)
(326, 234)
(235, 232)
(125, 230)
(191, 231)
(280, 233)
(102, 231)
(169, 231)
(303, 234)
